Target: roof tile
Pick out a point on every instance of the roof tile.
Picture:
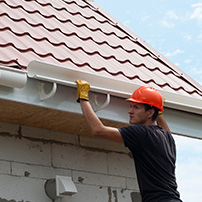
(79, 34)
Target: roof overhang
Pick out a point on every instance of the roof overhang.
(62, 113)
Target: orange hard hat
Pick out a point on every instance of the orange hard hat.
(147, 95)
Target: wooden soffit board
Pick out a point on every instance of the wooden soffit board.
(41, 117)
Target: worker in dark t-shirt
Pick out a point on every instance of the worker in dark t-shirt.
(153, 150)
(152, 146)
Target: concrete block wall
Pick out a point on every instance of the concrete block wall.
(101, 170)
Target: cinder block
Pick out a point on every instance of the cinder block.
(5, 167)
(121, 165)
(122, 195)
(99, 143)
(132, 184)
(8, 128)
(22, 189)
(77, 158)
(49, 135)
(35, 171)
(22, 150)
(88, 193)
(99, 179)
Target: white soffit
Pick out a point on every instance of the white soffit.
(68, 76)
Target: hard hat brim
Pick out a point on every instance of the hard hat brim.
(140, 102)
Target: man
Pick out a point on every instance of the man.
(152, 146)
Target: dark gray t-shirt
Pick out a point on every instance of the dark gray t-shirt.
(154, 153)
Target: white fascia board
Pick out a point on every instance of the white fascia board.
(12, 77)
(181, 102)
(68, 76)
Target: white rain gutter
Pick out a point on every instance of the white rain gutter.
(11, 77)
(55, 74)
(67, 76)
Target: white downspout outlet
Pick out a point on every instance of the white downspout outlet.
(11, 77)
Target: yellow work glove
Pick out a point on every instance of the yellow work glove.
(83, 88)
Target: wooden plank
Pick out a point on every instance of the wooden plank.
(41, 117)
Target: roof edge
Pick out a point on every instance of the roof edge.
(68, 76)
(149, 48)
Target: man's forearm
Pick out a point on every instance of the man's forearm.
(96, 126)
(91, 118)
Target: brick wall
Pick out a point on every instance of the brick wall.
(102, 171)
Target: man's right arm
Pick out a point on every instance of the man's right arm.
(162, 122)
(96, 126)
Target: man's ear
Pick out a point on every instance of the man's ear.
(151, 112)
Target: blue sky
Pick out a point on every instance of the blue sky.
(173, 28)
(189, 168)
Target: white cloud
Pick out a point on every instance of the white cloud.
(177, 64)
(167, 24)
(126, 22)
(171, 14)
(145, 17)
(197, 14)
(187, 37)
(187, 61)
(174, 53)
(168, 19)
(197, 5)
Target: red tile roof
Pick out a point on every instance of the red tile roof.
(81, 35)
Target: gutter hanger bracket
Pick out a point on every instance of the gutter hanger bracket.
(42, 94)
(96, 106)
